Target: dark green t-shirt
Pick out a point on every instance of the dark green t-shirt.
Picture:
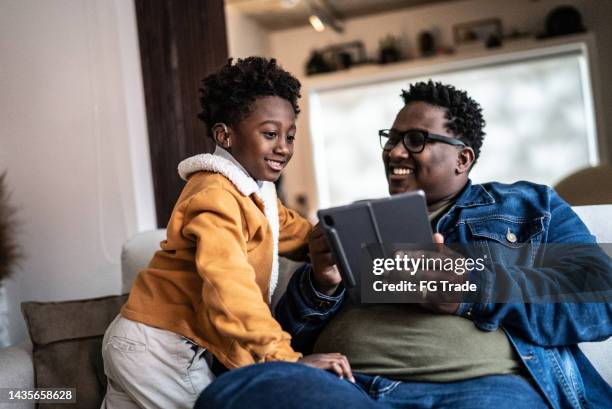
(408, 343)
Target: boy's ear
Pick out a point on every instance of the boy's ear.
(221, 135)
(465, 158)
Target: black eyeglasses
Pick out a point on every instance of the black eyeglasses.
(413, 139)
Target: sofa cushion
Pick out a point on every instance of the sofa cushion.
(136, 254)
(598, 219)
(67, 341)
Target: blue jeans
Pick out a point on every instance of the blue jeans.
(288, 385)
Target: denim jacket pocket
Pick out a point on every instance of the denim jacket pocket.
(511, 232)
(509, 240)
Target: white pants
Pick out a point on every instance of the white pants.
(149, 367)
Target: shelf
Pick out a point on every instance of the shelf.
(510, 50)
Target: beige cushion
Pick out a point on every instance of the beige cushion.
(590, 186)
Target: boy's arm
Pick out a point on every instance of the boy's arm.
(232, 306)
(293, 234)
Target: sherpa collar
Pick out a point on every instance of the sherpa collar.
(221, 161)
(224, 163)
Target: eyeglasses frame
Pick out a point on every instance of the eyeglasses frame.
(428, 137)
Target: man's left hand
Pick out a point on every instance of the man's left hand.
(443, 302)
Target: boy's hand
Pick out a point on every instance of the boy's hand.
(333, 362)
(326, 276)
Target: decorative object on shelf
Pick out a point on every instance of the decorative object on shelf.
(493, 41)
(317, 65)
(563, 20)
(515, 34)
(336, 57)
(427, 44)
(389, 50)
(477, 31)
(349, 54)
(9, 250)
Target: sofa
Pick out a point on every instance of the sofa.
(16, 362)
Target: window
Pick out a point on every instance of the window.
(540, 124)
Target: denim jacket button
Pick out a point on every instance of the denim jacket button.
(511, 237)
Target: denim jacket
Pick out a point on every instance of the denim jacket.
(544, 335)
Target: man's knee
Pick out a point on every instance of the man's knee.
(251, 383)
(276, 384)
(263, 375)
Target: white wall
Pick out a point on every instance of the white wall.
(291, 47)
(244, 36)
(74, 142)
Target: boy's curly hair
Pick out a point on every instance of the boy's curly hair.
(463, 113)
(227, 95)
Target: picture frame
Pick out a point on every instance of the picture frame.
(477, 31)
(346, 55)
(336, 57)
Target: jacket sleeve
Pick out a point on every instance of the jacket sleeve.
(293, 234)
(232, 305)
(575, 262)
(303, 311)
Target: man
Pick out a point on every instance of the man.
(452, 354)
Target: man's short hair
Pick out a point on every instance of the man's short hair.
(463, 113)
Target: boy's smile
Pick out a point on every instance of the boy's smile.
(276, 165)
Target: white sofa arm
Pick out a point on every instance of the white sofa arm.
(17, 371)
(136, 254)
(599, 354)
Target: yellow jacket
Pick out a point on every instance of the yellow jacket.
(213, 278)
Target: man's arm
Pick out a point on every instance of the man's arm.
(303, 311)
(313, 296)
(564, 302)
(553, 324)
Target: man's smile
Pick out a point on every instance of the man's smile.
(401, 171)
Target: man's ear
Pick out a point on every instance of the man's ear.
(465, 159)
(221, 135)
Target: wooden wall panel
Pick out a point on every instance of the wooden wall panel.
(181, 41)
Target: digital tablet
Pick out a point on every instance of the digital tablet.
(362, 231)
